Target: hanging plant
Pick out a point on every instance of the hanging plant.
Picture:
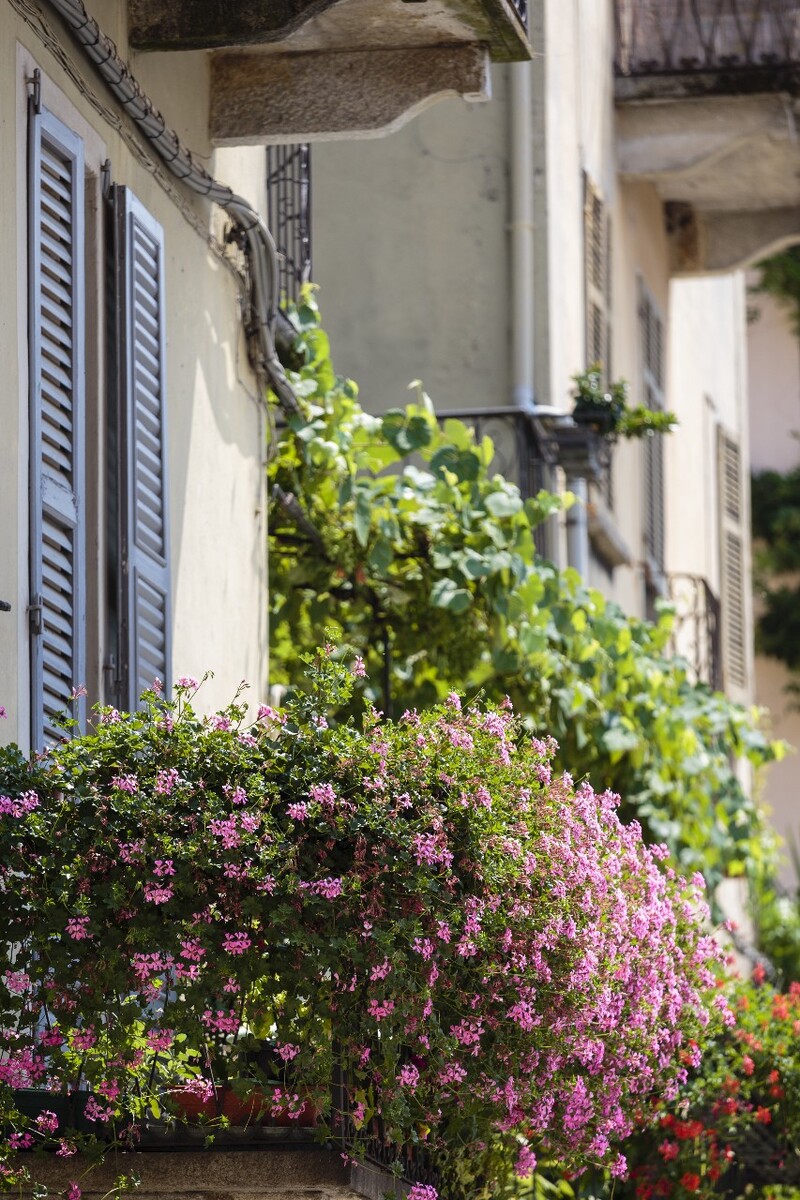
(605, 408)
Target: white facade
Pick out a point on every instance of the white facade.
(214, 419)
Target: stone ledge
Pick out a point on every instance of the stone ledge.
(312, 1173)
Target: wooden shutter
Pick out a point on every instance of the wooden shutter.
(732, 561)
(597, 291)
(144, 576)
(55, 338)
(651, 340)
(597, 268)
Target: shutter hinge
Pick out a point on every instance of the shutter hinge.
(5, 606)
(105, 176)
(35, 84)
(113, 683)
(36, 615)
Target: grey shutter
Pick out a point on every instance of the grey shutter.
(144, 600)
(732, 565)
(55, 338)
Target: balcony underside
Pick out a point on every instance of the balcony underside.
(304, 25)
(305, 70)
(727, 169)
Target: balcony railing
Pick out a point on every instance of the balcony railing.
(678, 37)
(696, 634)
(521, 9)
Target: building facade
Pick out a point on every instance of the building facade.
(600, 208)
(136, 322)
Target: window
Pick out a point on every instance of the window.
(651, 350)
(133, 641)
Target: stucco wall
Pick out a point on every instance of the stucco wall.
(774, 400)
(215, 423)
(410, 252)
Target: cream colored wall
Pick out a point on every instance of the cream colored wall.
(774, 407)
(216, 435)
(411, 255)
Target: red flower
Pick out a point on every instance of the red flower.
(690, 1182)
(714, 1173)
(759, 974)
(764, 1116)
(669, 1150)
(748, 1066)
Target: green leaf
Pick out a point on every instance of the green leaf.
(503, 504)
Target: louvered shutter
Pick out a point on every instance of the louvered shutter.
(55, 338)
(144, 599)
(732, 562)
(651, 339)
(597, 290)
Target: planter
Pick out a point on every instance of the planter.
(69, 1109)
(242, 1111)
(599, 417)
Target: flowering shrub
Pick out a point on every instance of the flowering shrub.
(497, 966)
(735, 1124)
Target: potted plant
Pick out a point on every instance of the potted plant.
(606, 409)
(247, 910)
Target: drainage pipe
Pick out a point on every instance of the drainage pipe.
(521, 233)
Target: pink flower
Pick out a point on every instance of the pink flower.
(298, 812)
(358, 669)
(3, 713)
(166, 781)
(188, 683)
(287, 1052)
(17, 982)
(47, 1121)
(423, 1191)
(66, 1149)
(77, 928)
(157, 893)
(525, 1164)
(73, 1192)
(236, 943)
(125, 783)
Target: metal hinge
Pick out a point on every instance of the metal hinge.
(36, 615)
(5, 606)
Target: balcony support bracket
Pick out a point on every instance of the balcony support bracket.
(279, 98)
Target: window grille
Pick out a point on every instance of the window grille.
(289, 214)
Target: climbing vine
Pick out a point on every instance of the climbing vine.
(393, 531)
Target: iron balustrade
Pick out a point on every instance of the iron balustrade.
(697, 632)
(678, 37)
(289, 214)
(521, 9)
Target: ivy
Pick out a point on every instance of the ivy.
(425, 563)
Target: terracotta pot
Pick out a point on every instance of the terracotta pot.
(241, 1110)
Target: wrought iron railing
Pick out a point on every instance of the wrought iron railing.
(524, 453)
(521, 9)
(289, 213)
(669, 37)
(696, 634)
